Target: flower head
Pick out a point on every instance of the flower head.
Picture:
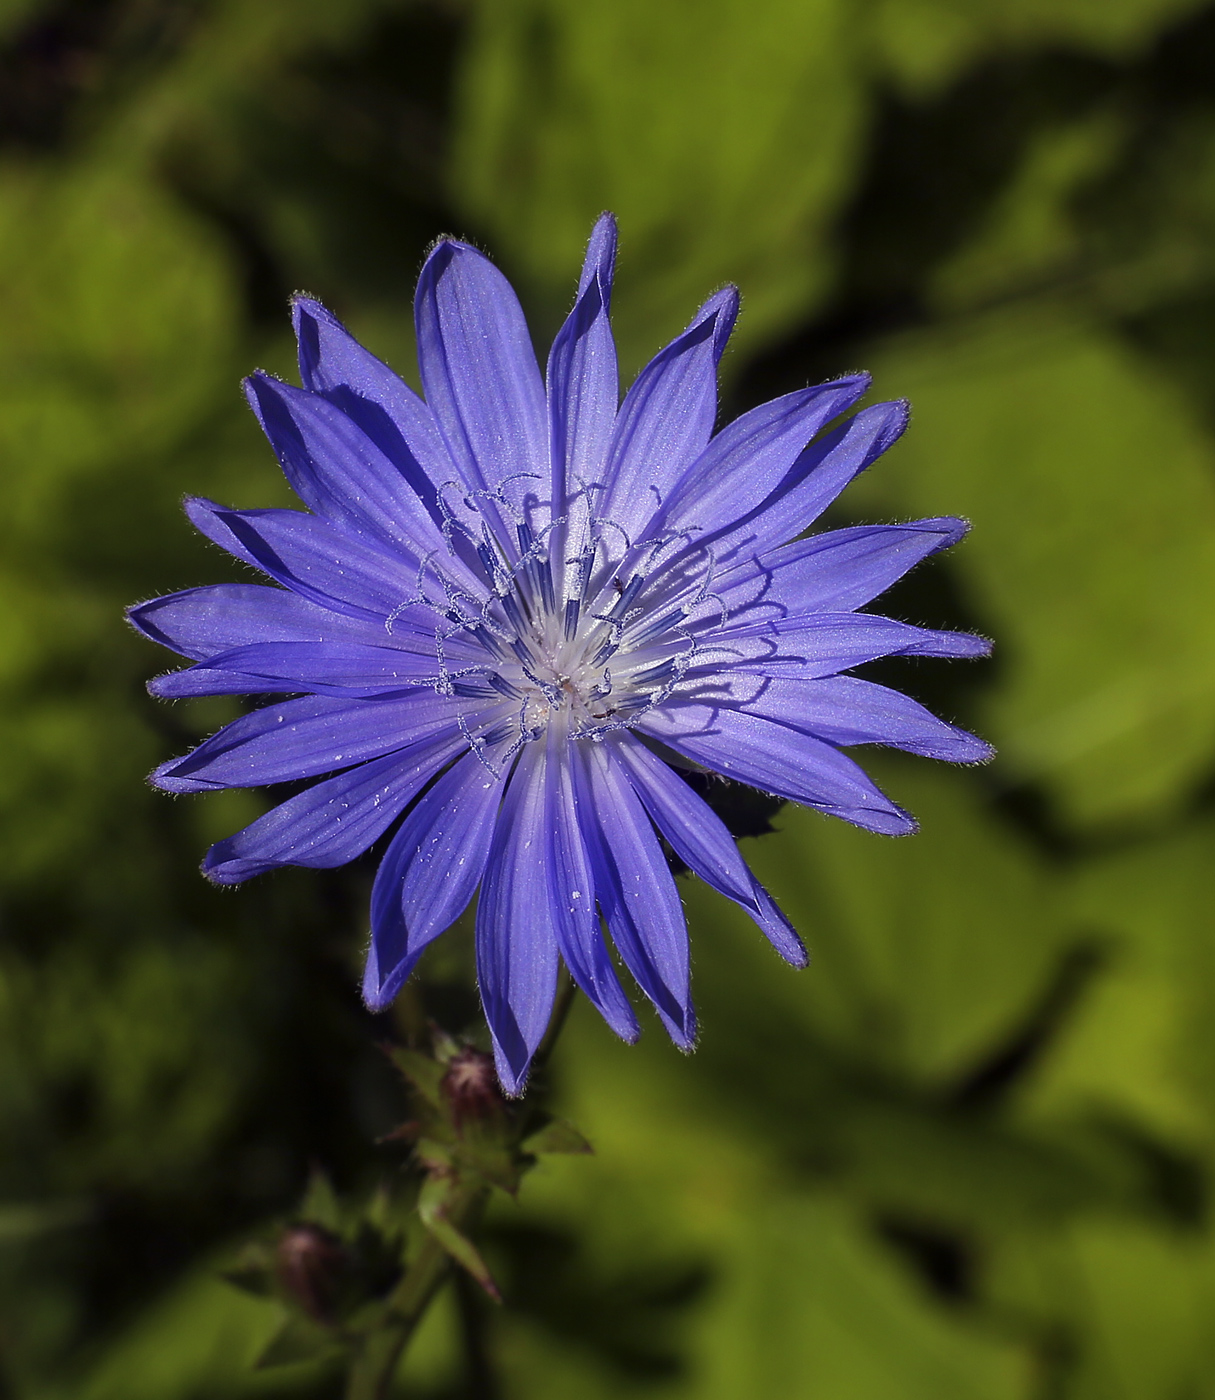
(506, 611)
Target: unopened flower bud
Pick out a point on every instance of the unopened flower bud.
(311, 1264)
(471, 1085)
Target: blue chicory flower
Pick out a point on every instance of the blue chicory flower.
(507, 611)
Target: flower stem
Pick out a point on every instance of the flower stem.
(375, 1361)
(375, 1364)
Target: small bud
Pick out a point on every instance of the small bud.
(471, 1085)
(311, 1264)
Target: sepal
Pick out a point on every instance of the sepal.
(299, 1339)
(438, 1195)
(556, 1137)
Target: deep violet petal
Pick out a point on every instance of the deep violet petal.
(571, 894)
(340, 473)
(333, 821)
(774, 757)
(635, 888)
(429, 873)
(303, 738)
(201, 622)
(479, 370)
(517, 944)
(815, 479)
(583, 384)
(822, 644)
(835, 571)
(334, 364)
(751, 456)
(847, 710)
(666, 419)
(699, 838)
(325, 563)
(318, 668)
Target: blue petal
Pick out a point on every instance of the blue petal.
(306, 737)
(429, 874)
(323, 562)
(516, 938)
(822, 644)
(636, 891)
(583, 387)
(479, 370)
(572, 894)
(815, 479)
(666, 419)
(838, 570)
(847, 710)
(334, 364)
(334, 821)
(339, 472)
(751, 456)
(317, 668)
(772, 756)
(200, 622)
(699, 838)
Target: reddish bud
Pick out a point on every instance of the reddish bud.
(311, 1264)
(471, 1085)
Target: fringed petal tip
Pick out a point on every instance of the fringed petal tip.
(165, 687)
(965, 646)
(857, 381)
(164, 778)
(512, 1078)
(683, 1036)
(982, 752)
(777, 929)
(135, 618)
(890, 821)
(378, 994)
(723, 306)
(226, 874)
(600, 260)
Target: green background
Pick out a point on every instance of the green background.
(970, 1152)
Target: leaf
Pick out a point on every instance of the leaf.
(320, 1203)
(926, 43)
(425, 1074)
(298, 1340)
(438, 1194)
(748, 118)
(927, 953)
(556, 1137)
(1142, 1044)
(1089, 482)
(199, 1337)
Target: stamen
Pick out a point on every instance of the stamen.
(657, 627)
(515, 614)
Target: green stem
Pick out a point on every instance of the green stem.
(375, 1363)
(562, 1002)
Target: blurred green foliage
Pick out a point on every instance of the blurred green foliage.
(970, 1152)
